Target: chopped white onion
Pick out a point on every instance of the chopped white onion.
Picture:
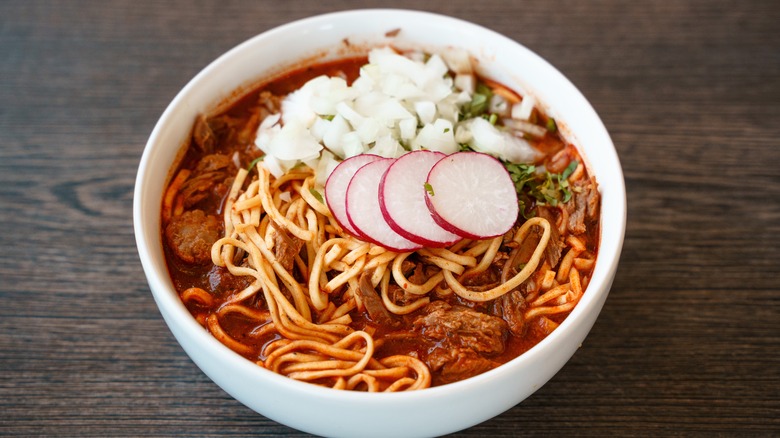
(351, 144)
(324, 167)
(498, 105)
(517, 150)
(368, 131)
(437, 136)
(387, 146)
(296, 106)
(408, 128)
(527, 127)
(273, 165)
(463, 134)
(426, 111)
(332, 136)
(236, 159)
(352, 116)
(398, 103)
(465, 83)
(522, 110)
(319, 128)
(488, 139)
(458, 60)
(293, 142)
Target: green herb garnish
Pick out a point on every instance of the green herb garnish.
(479, 102)
(552, 127)
(545, 189)
(254, 163)
(428, 188)
(464, 147)
(317, 195)
(563, 180)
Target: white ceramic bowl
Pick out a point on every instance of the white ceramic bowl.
(324, 411)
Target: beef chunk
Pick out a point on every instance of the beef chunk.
(593, 198)
(286, 247)
(462, 327)
(482, 281)
(191, 235)
(222, 282)
(400, 296)
(555, 246)
(584, 205)
(213, 163)
(204, 136)
(373, 303)
(454, 364)
(511, 308)
(463, 340)
(270, 102)
(210, 179)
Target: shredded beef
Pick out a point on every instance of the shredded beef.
(418, 275)
(485, 280)
(191, 235)
(400, 296)
(211, 178)
(556, 245)
(213, 163)
(286, 247)
(204, 135)
(511, 308)
(464, 339)
(373, 303)
(584, 205)
(454, 364)
(463, 327)
(593, 198)
(270, 102)
(222, 282)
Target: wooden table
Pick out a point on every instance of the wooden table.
(687, 344)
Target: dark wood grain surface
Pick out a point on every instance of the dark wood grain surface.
(687, 344)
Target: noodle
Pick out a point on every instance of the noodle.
(330, 352)
(515, 281)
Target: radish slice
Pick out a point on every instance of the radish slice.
(402, 200)
(473, 195)
(336, 188)
(363, 209)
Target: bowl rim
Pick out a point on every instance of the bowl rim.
(170, 305)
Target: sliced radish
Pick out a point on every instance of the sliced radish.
(363, 209)
(336, 188)
(472, 195)
(402, 200)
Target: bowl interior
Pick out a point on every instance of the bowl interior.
(434, 411)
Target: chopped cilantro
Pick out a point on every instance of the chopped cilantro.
(543, 189)
(254, 163)
(479, 102)
(428, 188)
(317, 195)
(552, 127)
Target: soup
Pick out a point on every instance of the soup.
(263, 250)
